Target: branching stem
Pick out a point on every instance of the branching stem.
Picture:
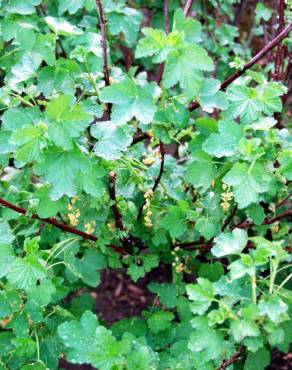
(232, 359)
(279, 38)
(56, 223)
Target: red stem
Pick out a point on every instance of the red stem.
(188, 7)
(103, 42)
(115, 209)
(166, 16)
(229, 219)
(158, 178)
(166, 30)
(51, 221)
(247, 224)
(279, 54)
(56, 223)
(281, 36)
(106, 74)
(232, 359)
(161, 170)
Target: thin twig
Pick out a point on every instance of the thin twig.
(238, 12)
(161, 170)
(229, 218)
(51, 221)
(161, 145)
(247, 224)
(188, 7)
(160, 73)
(240, 225)
(103, 42)
(158, 178)
(54, 222)
(115, 209)
(166, 16)
(281, 36)
(106, 74)
(128, 241)
(166, 30)
(279, 54)
(281, 202)
(232, 359)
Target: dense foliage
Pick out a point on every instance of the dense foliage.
(121, 148)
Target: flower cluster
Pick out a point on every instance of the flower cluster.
(148, 194)
(226, 197)
(90, 227)
(177, 264)
(74, 214)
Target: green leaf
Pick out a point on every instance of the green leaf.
(15, 118)
(241, 329)
(202, 294)
(6, 257)
(157, 43)
(211, 271)
(90, 343)
(210, 96)
(126, 20)
(263, 124)
(258, 360)
(242, 267)
(25, 68)
(23, 7)
(130, 100)
(34, 366)
(257, 213)
(255, 178)
(207, 227)
(6, 236)
(88, 266)
(230, 243)
(270, 93)
(225, 143)
(112, 141)
(205, 341)
(201, 171)
(66, 120)
(286, 163)
(25, 272)
(244, 102)
(62, 27)
(71, 6)
(274, 308)
(160, 320)
(149, 262)
(24, 347)
(64, 171)
(263, 12)
(46, 207)
(173, 221)
(190, 27)
(168, 293)
(61, 77)
(42, 293)
(179, 68)
(29, 141)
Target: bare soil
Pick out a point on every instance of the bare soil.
(117, 297)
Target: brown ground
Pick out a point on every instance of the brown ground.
(118, 297)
